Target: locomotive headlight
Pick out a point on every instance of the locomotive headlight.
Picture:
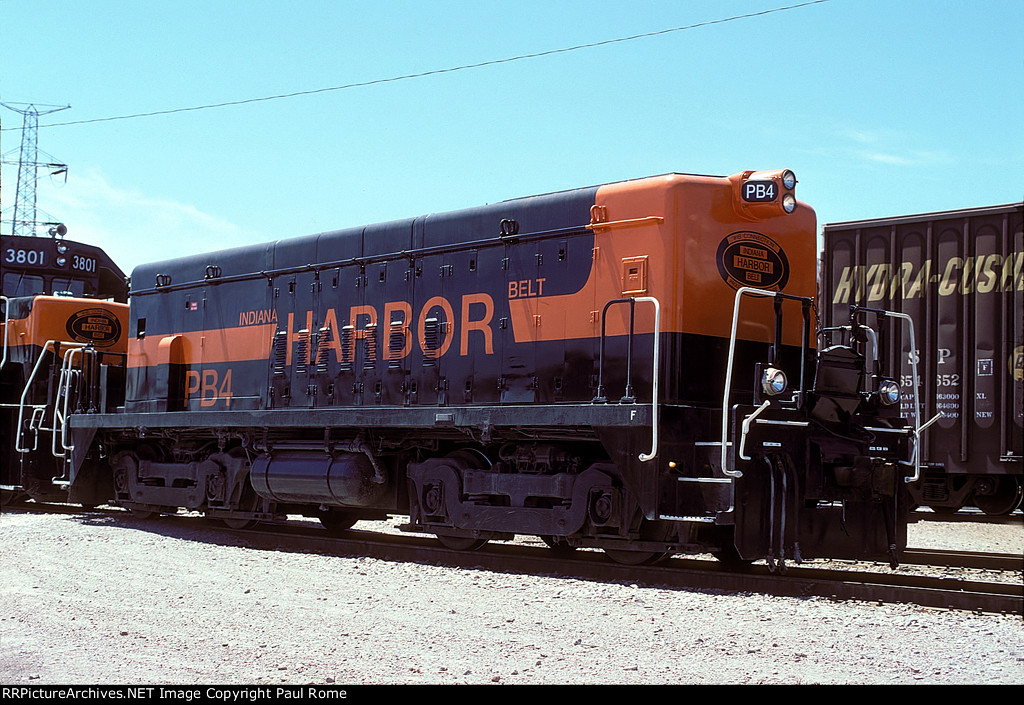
(889, 392)
(62, 247)
(773, 381)
(61, 261)
(789, 203)
(788, 179)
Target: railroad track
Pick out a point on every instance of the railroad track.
(968, 514)
(964, 559)
(677, 572)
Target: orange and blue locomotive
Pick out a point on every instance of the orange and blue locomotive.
(632, 367)
(62, 310)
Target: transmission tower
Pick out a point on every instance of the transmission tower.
(23, 220)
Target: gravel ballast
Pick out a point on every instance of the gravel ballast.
(94, 599)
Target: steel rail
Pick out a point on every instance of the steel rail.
(963, 559)
(676, 573)
(683, 573)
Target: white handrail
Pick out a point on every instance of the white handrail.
(7, 327)
(644, 457)
(28, 385)
(746, 429)
(60, 420)
(728, 371)
(918, 428)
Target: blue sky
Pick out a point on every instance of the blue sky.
(880, 107)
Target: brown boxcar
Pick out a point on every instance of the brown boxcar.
(960, 275)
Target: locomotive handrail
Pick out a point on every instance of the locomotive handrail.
(67, 374)
(7, 327)
(746, 428)
(596, 225)
(729, 363)
(917, 404)
(917, 444)
(35, 424)
(918, 427)
(870, 333)
(28, 385)
(644, 457)
(410, 254)
(628, 397)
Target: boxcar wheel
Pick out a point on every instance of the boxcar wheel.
(1001, 495)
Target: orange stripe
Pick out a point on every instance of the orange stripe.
(204, 347)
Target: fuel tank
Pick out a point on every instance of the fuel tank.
(346, 479)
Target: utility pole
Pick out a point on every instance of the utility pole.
(23, 220)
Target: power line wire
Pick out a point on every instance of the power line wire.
(436, 72)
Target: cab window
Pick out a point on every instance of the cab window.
(17, 284)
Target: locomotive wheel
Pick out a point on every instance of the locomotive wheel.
(249, 502)
(1002, 495)
(558, 544)
(337, 521)
(8, 497)
(466, 459)
(635, 557)
(122, 483)
(461, 543)
(649, 531)
(470, 459)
